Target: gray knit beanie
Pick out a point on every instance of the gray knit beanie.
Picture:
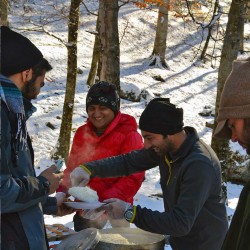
(235, 98)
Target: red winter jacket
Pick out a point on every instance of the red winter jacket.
(120, 137)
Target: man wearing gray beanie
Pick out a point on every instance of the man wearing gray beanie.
(190, 177)
(24, 196)
(234, 123)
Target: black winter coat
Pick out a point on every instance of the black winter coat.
(237, 237)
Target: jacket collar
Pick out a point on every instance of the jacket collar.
(29, 108)
(192, 137)
(110, 127)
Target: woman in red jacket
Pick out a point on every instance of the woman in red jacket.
(107, 132)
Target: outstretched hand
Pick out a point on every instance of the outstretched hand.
(92, 214)
(115, 208)
(79, 177)
(62, 209)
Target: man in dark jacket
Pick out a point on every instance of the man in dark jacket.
(24, 197)
(190, 177)
(234, 124)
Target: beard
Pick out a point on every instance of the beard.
(166, 147)
(29, 91)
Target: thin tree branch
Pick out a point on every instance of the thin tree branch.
(92, 13)
(124, 31)
(123, 3)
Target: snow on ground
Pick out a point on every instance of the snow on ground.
(189, 83)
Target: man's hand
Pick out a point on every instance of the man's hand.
(53, 178)
(60, 198)
(62, 209)
(79, 177)
(92, 214)
(115, 208)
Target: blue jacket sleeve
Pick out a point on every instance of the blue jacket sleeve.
(19, 187)
(49, 205)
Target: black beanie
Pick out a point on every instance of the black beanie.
(18, 53)
(105, 94)
(161, 117)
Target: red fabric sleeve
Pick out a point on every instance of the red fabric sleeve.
(125, 188)
(77, 157)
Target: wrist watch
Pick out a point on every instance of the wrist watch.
(129, 213)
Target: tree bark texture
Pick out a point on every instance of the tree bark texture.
(95, 58)
(109, 62)
(244, 13)
(63, 145)
(4, 12)
(161, 37)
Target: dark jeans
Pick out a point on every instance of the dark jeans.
(12, 233)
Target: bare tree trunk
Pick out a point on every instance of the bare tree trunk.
(63, 144)
(229, 53)
(159, 51)
(241, 47)
(4, 12)
(210, 28)
(204, 51)
(245, 14)
(109, 62)
(95, 58)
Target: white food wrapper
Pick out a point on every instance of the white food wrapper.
(85, 194)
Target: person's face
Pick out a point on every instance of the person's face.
(240, 133)
(100, 116)
(161, 145)
(31, 88)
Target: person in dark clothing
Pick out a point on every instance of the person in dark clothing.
(24, 196)
(190, 177)
(234, 123)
